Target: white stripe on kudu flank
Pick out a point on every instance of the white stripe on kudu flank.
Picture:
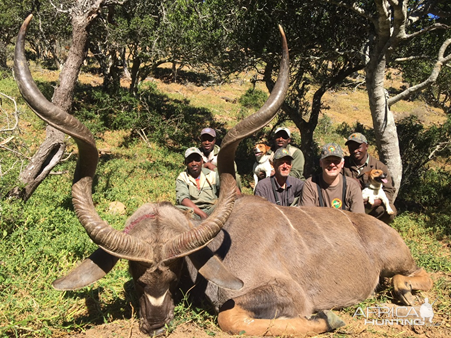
(288, 220)
(156, 301)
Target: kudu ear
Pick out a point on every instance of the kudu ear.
(89, 271)
(212, 269)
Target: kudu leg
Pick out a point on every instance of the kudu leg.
(275, 309)
(404, 285)
(236, 320)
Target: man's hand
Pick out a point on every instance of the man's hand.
(377, 202)
(261, 175)
(209, 165)
(201, 214)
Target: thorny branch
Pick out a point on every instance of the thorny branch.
(7, 117)
(10, 125)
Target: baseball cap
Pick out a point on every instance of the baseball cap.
(208, 131)
(331, 149)
(283, 129)
(192, 150)
(281, 153)
(356, 137)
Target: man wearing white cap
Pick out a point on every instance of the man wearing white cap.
(196, 188)
(282, 139)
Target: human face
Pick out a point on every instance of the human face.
(194, 164)
(207, 142)
(331, 166)
(358, 151)
(282, 167)
(281, 139)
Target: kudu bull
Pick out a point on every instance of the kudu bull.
(269, 268)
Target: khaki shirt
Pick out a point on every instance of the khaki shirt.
(333, 195)
(206, 196)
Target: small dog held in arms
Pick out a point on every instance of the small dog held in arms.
(376, 179)
(262, 164)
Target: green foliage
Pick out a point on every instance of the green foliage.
(422, 241)
(253, 98)
(173, 123)
(424, 186)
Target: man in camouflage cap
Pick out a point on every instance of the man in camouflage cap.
(357, 164)
(330, 188)
(281, 188)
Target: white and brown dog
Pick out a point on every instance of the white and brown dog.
(262, 164)
(376, 179)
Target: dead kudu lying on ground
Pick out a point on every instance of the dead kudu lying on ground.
(267, 274)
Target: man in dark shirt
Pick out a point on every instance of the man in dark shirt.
(281, 188)
(360, 162)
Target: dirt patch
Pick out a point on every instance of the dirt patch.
(355, 327)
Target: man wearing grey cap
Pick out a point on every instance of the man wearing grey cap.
(210, 151)
(196, 188)
(209, 148)
(281, 188)
(282, 139)
(357, 164)
(331, 188)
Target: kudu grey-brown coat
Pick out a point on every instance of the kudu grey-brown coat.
(269, 268)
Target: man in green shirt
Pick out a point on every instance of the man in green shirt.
(282, 139)
(197, 188)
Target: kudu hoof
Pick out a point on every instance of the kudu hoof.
(333, 321)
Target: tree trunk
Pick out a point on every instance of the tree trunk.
(3, 58)
(52, 149)
(383, 121)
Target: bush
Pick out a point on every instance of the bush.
(169, 122)
(253, 98)
(421, 184)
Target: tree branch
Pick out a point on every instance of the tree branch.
(431, 28)
(441, 60)
(438, 148)
(15, 114)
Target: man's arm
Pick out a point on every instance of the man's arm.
(309, 194)
(181, 190)
(188, 203)
(297, 165)
(210, 166)
(356, 198)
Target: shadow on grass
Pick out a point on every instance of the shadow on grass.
(97, 312)
(171, 123)
(183, 76)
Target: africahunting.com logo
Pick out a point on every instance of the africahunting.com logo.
(397, 315)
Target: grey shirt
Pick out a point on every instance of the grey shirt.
(286, 196)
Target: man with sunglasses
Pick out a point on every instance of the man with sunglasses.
(330, 188)
(282, 139)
